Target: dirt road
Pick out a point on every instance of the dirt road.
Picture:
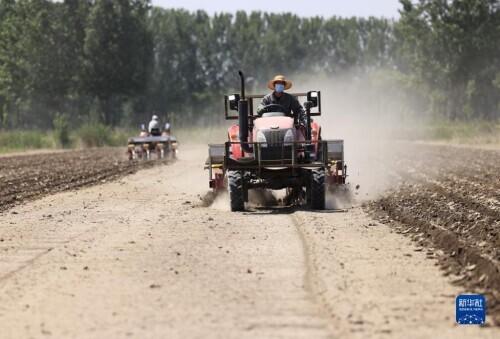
(141, 257)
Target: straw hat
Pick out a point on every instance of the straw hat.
(288, 83)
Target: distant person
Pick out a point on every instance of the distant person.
(144, 131)
(154, 126)
(166, 130)
(279, 97)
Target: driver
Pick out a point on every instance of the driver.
(154, 126)
(290, 103)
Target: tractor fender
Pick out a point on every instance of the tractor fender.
(315, 135)
(233, 136)
(315, 131)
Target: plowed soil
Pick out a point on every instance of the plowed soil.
(448, 200)
(25, 177)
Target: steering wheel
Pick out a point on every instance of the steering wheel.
(272, 108)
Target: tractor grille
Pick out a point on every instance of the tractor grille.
(274, 137)
(275, 149)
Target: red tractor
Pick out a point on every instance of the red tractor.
(271, 151)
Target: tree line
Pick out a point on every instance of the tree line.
(116, 62)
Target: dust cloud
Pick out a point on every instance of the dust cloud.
(221, 202)
(256, 198)
(374, 119)
(341, 199)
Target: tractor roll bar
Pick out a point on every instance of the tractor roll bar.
(250, 98)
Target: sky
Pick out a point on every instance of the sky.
(344, 8)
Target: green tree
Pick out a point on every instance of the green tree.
(116, 54)
(449, 46)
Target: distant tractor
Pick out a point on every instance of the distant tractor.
(271, 151)
(161, 143)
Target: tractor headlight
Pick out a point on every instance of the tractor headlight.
(289, 137)
(261, 138)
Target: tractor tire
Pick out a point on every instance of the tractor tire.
(236, 190)
(317, 189)
(308, 195)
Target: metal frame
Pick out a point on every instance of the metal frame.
(260, 96)
(147, 140)
(256, 161)
(219, 158)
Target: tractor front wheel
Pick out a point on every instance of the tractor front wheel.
(236, 190)
(317, 189)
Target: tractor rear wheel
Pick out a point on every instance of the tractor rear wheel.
(317, 189)
(236, 190)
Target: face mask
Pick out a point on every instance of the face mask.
(280, 88)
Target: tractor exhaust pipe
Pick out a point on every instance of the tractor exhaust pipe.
(243, 117)
(242, 80)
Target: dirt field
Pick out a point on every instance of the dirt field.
(449, 201)
(143, 257)
(25, 177)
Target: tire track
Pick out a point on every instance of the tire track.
(42, 248)
(313, 283)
